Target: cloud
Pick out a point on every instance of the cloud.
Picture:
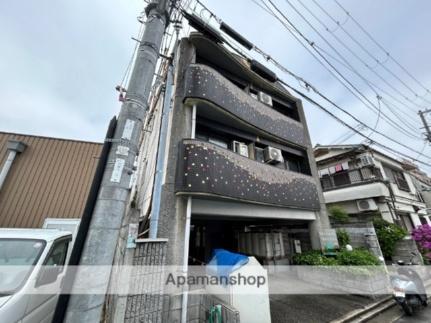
(61, 60)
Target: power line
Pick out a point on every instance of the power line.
(383, 49)
(369, 54)
(312, 44)
(308, 85)
(406, 114)
(318, 92)
(383, 79)
(355, 130)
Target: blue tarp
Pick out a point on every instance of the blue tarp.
(224, 262)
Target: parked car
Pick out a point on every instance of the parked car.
(32, 267)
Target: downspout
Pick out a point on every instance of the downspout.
(155, 205)
(14, 147)
(187, 233)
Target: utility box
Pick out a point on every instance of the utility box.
(250, 300)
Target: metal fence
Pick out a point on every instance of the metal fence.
(350, 177)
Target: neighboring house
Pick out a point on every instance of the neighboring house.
(365, 182)
(243, 169)
(422, 183)
(43, 177)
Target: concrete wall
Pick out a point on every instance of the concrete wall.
(403, 250)
(362, 235)
(173, 208)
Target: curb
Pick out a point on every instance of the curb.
(368, 312)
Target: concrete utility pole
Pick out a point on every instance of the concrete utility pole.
(101, 241)
(426, 126)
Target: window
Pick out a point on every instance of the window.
(341, 178)
(259, 154)
(406, 221)
(24, 253)
(218, 142)
(397, 177)
(57, 255)
(247, 145)
(286, 109)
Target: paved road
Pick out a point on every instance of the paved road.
(422, 316)
(308, 308)
(396, 315)
(313, 308)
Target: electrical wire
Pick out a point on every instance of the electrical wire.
(350, 50)
(308, 85)
(306, 97)
(335, 74)
(379, 63)
(311, 43)
(406, 114)
(427, 91)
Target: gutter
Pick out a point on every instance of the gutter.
(14, 147)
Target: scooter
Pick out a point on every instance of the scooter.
(408, 288)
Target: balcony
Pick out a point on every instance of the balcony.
(205, 83)
(207, 169)
(351, 177)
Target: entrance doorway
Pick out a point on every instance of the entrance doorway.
(266, 240)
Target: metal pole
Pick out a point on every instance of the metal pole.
(424, 121)
(186, 260)
(101, 240)
(187, 234)
(154, 222)
(6, 166)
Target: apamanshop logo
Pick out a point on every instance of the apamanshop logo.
(213, 280)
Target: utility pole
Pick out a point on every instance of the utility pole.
(426, 126)
(103, 233)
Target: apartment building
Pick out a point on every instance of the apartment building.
(239, 162)
(365, 181)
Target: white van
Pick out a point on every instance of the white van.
(31, 260)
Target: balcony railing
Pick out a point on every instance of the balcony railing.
(207, 169)
(205, 83)
(350, 177)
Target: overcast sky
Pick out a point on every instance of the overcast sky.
(61, 60)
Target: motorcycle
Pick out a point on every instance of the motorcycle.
(408, 288)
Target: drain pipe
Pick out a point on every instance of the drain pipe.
(187, 234)
(154, 219)
(14, 147)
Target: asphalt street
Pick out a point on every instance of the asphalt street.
(395, 314)
(422, 316)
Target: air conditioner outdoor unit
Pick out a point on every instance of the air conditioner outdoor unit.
(273, 155)
(265, 98)
(366, 205)
(240, 148)
(366, 160)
